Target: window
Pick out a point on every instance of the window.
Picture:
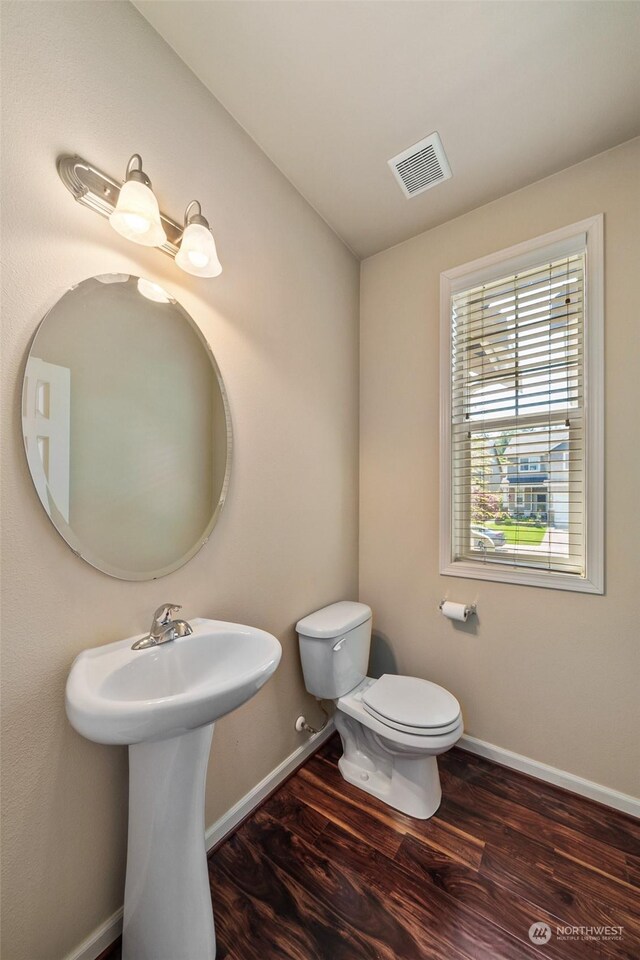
(522, 413)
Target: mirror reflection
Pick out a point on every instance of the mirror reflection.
(126, 427)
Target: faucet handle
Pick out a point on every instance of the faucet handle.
(164, 613)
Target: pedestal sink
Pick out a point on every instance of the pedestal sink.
(163, 701)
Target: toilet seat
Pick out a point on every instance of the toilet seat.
(412, 705)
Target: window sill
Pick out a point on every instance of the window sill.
(550, 579)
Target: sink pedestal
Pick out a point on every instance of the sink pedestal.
(167, 908)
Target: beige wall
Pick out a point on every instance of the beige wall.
(94, 78)
(545, 673)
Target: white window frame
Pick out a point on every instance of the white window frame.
(503, 263)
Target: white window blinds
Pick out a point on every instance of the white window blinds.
(517, 419)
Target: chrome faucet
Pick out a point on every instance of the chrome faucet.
(163, 628)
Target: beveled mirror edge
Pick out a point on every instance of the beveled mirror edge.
(67, 534)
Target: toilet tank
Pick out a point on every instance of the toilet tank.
(334, 648)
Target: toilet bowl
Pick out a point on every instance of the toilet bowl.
(392, 728)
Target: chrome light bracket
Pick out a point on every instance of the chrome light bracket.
(99, 192)
(190, 218)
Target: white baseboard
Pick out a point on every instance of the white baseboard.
(111, 929)
(559, 778)
(230, 820)
(100, 939)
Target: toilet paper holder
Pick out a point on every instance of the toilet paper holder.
(470, 608)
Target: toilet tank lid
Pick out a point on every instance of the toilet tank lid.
(333, 620)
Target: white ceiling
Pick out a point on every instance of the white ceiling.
(332, 90)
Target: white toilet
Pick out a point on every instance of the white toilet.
(392, 729)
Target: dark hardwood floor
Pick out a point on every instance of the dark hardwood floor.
(322, 871)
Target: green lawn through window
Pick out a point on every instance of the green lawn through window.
(519, 534)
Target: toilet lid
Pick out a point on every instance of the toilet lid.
(411, 702)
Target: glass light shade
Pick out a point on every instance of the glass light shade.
(152, 291)
(137, 216)
(197, 253)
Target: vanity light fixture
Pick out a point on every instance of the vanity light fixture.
(137, 215)
(197, 253)
(132, 209)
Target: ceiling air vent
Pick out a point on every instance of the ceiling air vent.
(421, 166)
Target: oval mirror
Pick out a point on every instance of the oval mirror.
(126, 427)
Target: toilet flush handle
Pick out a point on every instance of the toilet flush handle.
(338, 646)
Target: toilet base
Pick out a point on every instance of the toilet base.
(419, 800)
(407, 782)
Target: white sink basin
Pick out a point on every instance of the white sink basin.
(162, 701)
(119, 695)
